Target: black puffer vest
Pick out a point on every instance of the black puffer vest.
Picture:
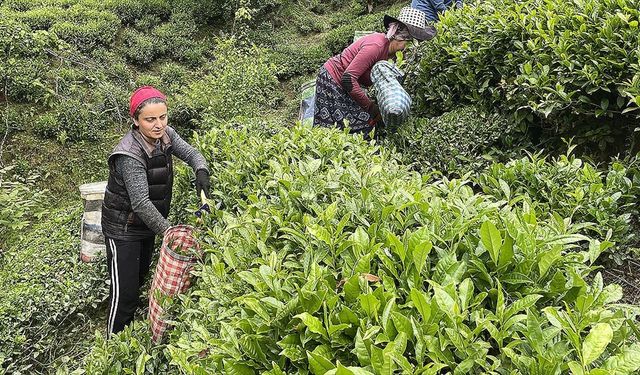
(118, 219)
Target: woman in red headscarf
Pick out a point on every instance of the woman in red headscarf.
(138, 196)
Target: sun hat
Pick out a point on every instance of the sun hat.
(415, 20)
(141, 95)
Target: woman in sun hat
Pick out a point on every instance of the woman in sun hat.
(137, 198)
(340, 100)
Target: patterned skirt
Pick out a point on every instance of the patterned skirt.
(335, 108)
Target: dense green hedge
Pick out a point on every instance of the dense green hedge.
(44, 287)
(291, 60)
(24, 60)
(565, 62)
(456, 142)
(328, 257)
(573, 188)
(240, 81)
(341, 36)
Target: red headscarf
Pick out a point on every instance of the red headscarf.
(141, 94)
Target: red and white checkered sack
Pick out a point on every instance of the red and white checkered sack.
(178, 254)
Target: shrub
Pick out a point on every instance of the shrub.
(564, 62)
(175, 76)
(24, 56)
(303, 19)
(129, 11)
(46, 125)
(141, 48)
(42, 18)
(341, 37)
(15, 117)
(335, 259)
(345, 26)
(45, 287)
(237, 82)
(454, 143)
(205, 11)
(25, 5)
(178, 37)
(291, 60)
(89, 34)
(575, 189)
(20, 203)
(75, 120)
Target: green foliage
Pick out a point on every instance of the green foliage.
(303, 19)
(72, 120)
(129, 11)
(205, 11)
(43, 286)
(327, 256)
(178, 39)
(41, 18)
(15, 117)
(563, 62)
(237, 82)
(175, 39)
(20, 202)
(291, 60)
(572, 188)
(24, 57)
(455, 142)
(87, 28)
(342, 36)
(140, 48)
(140, 355)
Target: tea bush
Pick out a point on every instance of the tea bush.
(342, 36)
(15, 117)
(44, 285)
(129, 11)
(302, 18)
(20, 202)
(573, 188)
(41, 18)
(87, 28)
(24, 56)
(562, 62)
(25, 5)
(237, 82)
(327, 256)
(73, 120)
(140, 48)
(455, 142)
(178, 39)
(291, 60)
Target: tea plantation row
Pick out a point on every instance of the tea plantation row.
(569, 66)
(329, 257)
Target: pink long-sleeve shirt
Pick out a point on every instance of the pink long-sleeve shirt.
(357, 60)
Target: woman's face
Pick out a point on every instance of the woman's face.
(152, 120)
(397, 45)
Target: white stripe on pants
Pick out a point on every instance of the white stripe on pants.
(115, 286)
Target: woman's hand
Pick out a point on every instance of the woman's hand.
(202, 182)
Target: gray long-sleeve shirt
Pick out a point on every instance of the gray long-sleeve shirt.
(134, 175)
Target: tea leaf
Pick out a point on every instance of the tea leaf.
(596, 342)
(491, 240)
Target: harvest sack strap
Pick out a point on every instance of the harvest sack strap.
(393, 100)
(178, 254)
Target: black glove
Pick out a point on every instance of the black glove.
(374, 113)
(202, 182)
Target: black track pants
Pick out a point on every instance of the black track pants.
(128, 263)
